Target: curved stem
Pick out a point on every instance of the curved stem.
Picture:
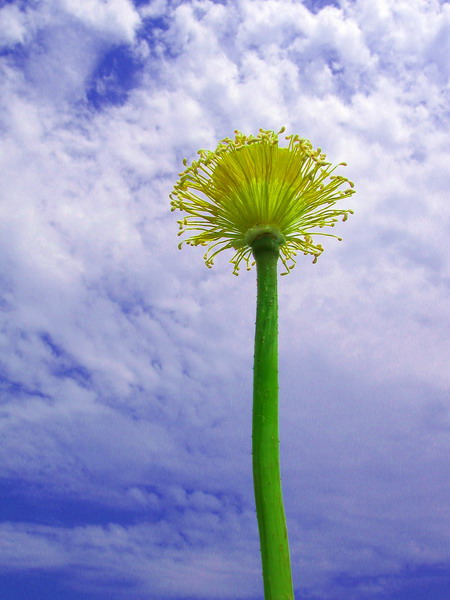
(265, 444)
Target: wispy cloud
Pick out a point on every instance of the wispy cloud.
(126, 365)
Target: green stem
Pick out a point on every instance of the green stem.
(276, 564)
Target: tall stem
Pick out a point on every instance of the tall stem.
(265, 444)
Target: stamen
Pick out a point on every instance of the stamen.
(251, 186)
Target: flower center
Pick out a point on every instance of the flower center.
(255, 184)
(264, 230)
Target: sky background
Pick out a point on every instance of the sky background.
(126, 365)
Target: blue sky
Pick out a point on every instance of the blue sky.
(126, 365)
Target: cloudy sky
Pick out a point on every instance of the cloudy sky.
(126, 365)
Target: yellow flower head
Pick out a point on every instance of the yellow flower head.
(249, 187)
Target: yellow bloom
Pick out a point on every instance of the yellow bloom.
(249, 187)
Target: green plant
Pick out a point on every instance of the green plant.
(265, 202)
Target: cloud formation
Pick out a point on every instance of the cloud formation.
(126, 365)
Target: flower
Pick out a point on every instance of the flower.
(249, 187)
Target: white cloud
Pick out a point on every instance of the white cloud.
(115, 18)
(154, 9)
(12, 26)
(64, 40)
(154, 555)
(131, 362)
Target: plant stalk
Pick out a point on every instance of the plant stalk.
(276, 565)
